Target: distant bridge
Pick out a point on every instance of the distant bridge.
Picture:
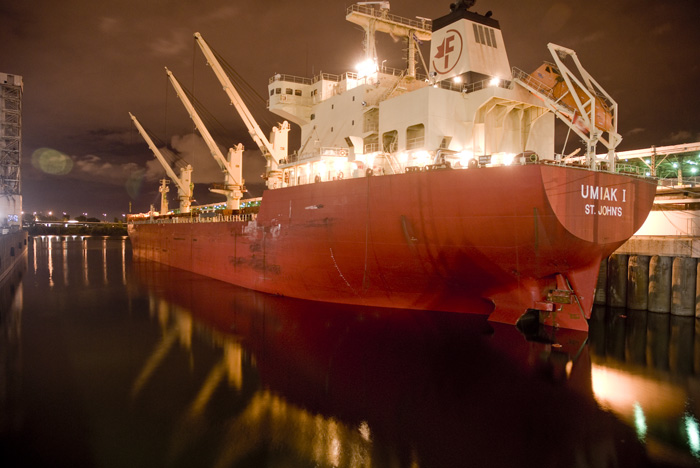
(72, 223)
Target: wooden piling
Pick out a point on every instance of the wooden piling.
(683, 281)
(660, 269)
(638, 282)
(617, 280)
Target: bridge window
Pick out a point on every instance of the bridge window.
(297, 92)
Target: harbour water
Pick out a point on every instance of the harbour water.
(111, 362)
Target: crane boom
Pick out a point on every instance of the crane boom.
(235, 98)
(211, 144)
(183, 183)
(233, 175)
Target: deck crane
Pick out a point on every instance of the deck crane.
(233, 174)
(184, 182)
(274, 150)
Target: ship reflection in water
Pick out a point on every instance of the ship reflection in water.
(138, 364)
(338, 386)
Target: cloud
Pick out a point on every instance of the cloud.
(556, 17)
(111, 136)
(94, 168)
(171, 46)
(191, 149)
(109, 25)
(635, 131)
(225, 12)
(681, 136)
(595, 36)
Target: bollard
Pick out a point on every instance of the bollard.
(601, 284)
(683, 279)
(638, 282)
(617, 280)
(660, 284)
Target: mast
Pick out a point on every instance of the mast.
(273, 153)
(164, 189)
(233, 174)
(374, 17)
(184, 182)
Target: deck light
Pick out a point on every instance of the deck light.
(464, 157)
(366, 68)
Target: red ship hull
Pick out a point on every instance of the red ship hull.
(449, 240)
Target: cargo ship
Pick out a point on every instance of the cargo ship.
(439, 192)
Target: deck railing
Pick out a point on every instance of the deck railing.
(422, 24)
(195, 218)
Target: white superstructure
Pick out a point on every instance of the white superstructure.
(382, 121)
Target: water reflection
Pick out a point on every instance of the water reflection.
(110, 363)
(55, 251)
(11, 302)
(644, 369)
(338, 386)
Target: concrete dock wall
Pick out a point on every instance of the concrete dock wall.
(655, 273)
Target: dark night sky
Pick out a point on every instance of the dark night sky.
(85, 65)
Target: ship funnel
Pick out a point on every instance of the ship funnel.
(468, 47)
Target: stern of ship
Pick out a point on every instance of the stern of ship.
(586, 216)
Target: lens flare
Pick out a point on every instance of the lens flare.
(133, 184)
(52, 161)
